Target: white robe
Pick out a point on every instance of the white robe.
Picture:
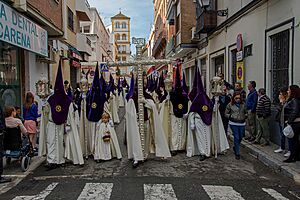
(121, 100)
(54, 136)
(106, 150)
(83, 130)
(199, 136)
(134, 145)
(114, 109)
(176, 127)
(73, 149)
(219, 139)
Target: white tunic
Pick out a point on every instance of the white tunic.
(73, 149)
(199, 136)
(106, 150)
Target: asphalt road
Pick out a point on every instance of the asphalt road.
(180, 177)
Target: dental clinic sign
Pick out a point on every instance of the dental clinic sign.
(22, 32)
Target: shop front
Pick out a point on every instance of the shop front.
(18, 37)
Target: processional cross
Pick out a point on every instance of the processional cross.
(140, 63)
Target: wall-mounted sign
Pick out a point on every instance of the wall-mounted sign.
(18, 30)
(240, 72)
(239, 42)
(239, 56)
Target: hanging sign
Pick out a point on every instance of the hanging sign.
(18, 30)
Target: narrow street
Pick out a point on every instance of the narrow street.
(177, 178)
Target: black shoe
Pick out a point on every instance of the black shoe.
(238, 157)
(202, 157)
(135, 164)
(4, 180)
(289, 160)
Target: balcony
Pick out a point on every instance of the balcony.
(84, 44)
(206, 22)
(83, 10)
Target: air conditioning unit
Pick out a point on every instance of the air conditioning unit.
(50, 59)
(195, 36)
(21, 5)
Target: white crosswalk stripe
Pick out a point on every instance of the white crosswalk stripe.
(222, 192)
(103, 191)
(159, 192)
(96, 191)
(273, 193)
(41, 196)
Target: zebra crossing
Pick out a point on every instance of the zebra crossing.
(103, 191)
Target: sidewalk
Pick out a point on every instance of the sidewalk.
(274, 160)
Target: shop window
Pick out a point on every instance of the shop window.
(10, 84)
(280, 45)
(70, 19)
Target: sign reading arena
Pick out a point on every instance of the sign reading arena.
(22, 32)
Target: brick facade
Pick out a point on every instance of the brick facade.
(51, 10)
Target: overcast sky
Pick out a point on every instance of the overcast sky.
(140, 12)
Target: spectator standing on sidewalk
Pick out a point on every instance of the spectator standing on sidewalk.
(251, 103)
(263, 113)
(236, 112)
(283, 99)
(238, 88)
(30, 114)
(2, 129)
(292, 118)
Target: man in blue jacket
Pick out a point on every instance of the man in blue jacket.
(251, 107)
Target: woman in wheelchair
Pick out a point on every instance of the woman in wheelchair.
(14, 130)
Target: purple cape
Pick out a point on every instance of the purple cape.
(178, 99)
(59, 101)
(95, 99)
(201, 104)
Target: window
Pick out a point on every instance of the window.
(117, 36)
(70, 19)
(117, 25)
(280, 44)
(124, 25)
(86, 29)
(124, 37)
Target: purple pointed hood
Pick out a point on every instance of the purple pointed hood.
(131, 89)
(178, 99)
(202, 104)
(95, 99)
(59, 101)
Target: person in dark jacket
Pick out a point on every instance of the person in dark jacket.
(292, 117)
(236, 112)
(2, 129)
(251, 103)
(263, 115)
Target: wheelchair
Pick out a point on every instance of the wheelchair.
(17, 147)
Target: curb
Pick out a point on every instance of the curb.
(271, 162)
(18, 178)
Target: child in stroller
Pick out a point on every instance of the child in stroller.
(14, 147)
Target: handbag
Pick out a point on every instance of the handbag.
(288, 131)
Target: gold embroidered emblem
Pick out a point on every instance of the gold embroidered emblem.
(94, 105)
(204, 108)
(58, 108)
(180, 106)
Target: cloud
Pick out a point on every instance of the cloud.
(140, 12)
